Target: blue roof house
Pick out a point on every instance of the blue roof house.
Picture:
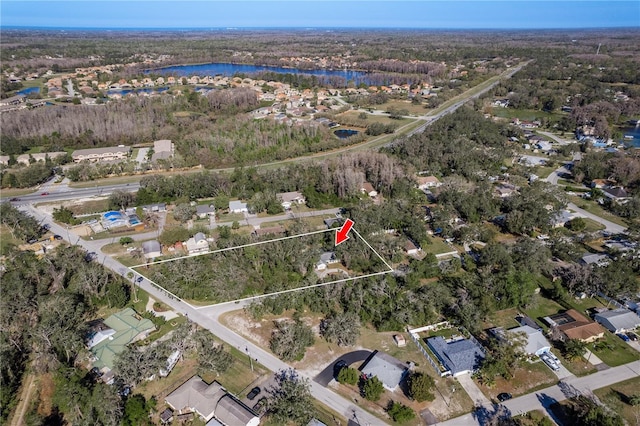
(460, 356)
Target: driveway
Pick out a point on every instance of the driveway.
(609, 226)
(474, 392)
(326, 376)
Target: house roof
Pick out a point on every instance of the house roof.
(367, 187)
(237, 205)
(535, 339)
(618, 319)
(580, 328)
(103, 150)
(163, 145)
(128, 325)
(196, 395)
(386, 368)
(327, 256)
(232, 412)
(457, 356)
(616, 192)
(591, 258)
(426, 180)
(151, 246)
(204, 209)
(287, 197)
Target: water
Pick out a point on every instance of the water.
(631, 131)
(229, 70)
(28, 90)
(345, 133)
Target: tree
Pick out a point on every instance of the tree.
(420, 386)
(171, 236)
(348, 375)
(574, 348)
(64, 215)
(290, 339)
(120, 200)
(372, 388)
(184, 212)
(136, 411)
(211, 355)
(342, 329)
(399, 412)
(291, 399)
(126, 240)
(578, 224)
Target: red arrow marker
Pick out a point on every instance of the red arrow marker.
(341, 234)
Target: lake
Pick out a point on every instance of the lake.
(28, 90)
(631, 131)
(230, 70)
(345, 133)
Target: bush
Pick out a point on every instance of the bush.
(348, 376)
(372, 388)
(420, 386)
(400, 412)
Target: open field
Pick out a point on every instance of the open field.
(617, 398)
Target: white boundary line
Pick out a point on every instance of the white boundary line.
(154, 284)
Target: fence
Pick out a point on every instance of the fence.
(416, 339)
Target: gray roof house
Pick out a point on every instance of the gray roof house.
(595, 259)
(327, 258)
(459, 357)
(536, 343)
(618, 320)
(209, 401)
(238, 207)
(151, 249)
(389, 370)
(203, 211)
(289, 198)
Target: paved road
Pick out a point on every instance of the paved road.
(326, 376)
(207, 317)
(609, 226)
(541, 400)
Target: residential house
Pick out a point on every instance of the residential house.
(153, 208)
(211, 401)
(573, 325)
(197, 244)
(601, 183)
(561, 218)
(367, 188)
(426, 182)
(123, 328)
(616, 193)
(272, 230)
(595, 259)
(458, 356)
(151, 249)
(290, 198)
(111, 153)
(327, 258)
(535, 344)
(204, 211)
(162, 150)
(618, 320)
(386, 368)
(411, 248)
(505, 190)
(238, 207)
(330, 222)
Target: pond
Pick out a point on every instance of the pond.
(345, 133)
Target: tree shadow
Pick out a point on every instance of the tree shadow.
(547, 402)
(497, 414)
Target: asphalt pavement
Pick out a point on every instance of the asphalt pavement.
(327, 375)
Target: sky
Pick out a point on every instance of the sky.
(424, 14)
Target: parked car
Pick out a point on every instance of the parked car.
(623, 336)
(32, 240)
(45, 193)
(504, 396)
(261, 406)
(551, 361)
(14, 199)
(57, 237)
(253, 393)
(633, 336)
(338, 367)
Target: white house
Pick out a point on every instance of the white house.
(204, 211)
(197, 244)
(368, 189)
(289, 198)
(411, 248)
(426, 182)
(327, 258)
(151, 249)
(238, 207)
(618, 320)
(536, 343)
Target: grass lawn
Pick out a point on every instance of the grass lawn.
(437, 246)
(527, 378)
(526, 114)
(231, 217)
(617, 398)
(595, 208)
(543, 172)
(613, 351)
(504, 319)
(542, 307)
(413, 109)
(88, 207)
